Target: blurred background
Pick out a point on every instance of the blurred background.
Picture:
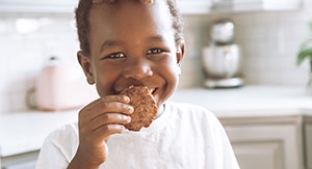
(269, 40)
(251, 80)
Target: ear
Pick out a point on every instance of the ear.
(85, 63)
(180, 53)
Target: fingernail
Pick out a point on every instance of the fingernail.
(127, 99)
(130, 108)
(128, 119)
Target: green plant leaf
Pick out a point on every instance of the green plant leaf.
(304, 54)
(310, 68)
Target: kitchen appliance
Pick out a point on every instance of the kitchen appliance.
(222, 58)
(60, 86)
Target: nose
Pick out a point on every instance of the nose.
(138, 70)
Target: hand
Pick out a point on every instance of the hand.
(97, 121)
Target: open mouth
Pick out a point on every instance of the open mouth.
(152, 90)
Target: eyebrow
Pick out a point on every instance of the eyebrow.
(156, 38)
(114, 42)
(111, 42)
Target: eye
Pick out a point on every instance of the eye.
(115, 56)
(155, 51)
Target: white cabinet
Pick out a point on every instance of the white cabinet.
(256, 5)
(38, 5)
(271, 142)
(20, 161)
(194, 6)
(308, 142)
(20, 144)
(186, 6)
(66, 6)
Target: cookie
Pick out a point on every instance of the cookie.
(145, 107)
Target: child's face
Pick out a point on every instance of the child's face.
(132, 44)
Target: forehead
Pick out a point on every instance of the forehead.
(127, 15)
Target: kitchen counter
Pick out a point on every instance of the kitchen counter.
(250, 100)
(22, 132)
(269, 126)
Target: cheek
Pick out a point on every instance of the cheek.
(171, 73)
(171, 68)
(171, 76)
(175, 75)
(104, 81)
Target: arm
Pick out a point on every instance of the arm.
(97, 121)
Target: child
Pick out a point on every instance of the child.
(124, 43)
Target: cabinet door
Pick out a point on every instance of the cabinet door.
(194, 6)
(37, 2)
(186, 6)
(20, 161)
(308, 145)
(266, 147)
(257, 5)
(38, 5)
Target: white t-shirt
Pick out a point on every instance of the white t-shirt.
(183, 137)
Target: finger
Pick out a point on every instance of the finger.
(92, 105)
(90, 111)
(111, 104)
(111, 98)
(106, 131)
(110, 118)
(116, 98)
(114, 107)
(110, 107)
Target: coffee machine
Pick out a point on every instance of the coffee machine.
(222, 58)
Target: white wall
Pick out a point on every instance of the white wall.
(269, 40)
(24, 51)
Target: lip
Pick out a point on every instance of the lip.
(155, 93)
(152, 90)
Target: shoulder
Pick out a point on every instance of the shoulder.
(187, 108)
(184, 105)
(61, 144)
(191, 112)
(64, 138)
(65, 132)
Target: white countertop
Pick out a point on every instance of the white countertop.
(250, 100)
(22, 132)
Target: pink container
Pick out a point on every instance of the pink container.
(61, 86)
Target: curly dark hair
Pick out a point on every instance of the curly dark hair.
(83, 27)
